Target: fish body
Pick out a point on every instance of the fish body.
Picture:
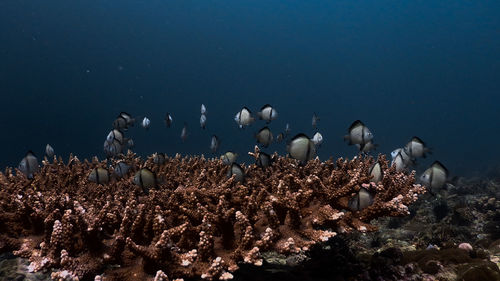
(435, 176)
(244, 117)
(184, 132)
(229, 157)
(280, 137)
(237, 171)
(287, 129)
(128, 118)
(361, 200)
(49, 151)
(214, 143)
(398, 162)
(146, 123)
(99, 175)
(203, 121)
(264, 136)
(376, 172)
(301, 148)
(367, 147)
(358, 133)
(113, 148)
(145, 179)
(317, 139)
(159, 158)
(315, 120)
(121, 169)
(168, 120)
(267, 113)
(263, 160)
(416, 148)
(203, 109)
(29, 165)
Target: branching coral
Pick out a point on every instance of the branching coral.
(196, 222)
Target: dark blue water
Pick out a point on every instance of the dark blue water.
(425, 68)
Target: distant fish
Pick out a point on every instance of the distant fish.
(168, 120)
(49, 151)
(435, 176)
(263, 160)
(244, 117)
(146, 123)
(229, 157)
(113, 148)
(130, 143)
(361, 200)
(264, 136)
(121, 169)
(317, 139)
(123, 121)
(376, 172)
(366, 147)
(29, 165)
(214, 143)
(184, 132)
(159, 158)
(358, 133)
(267, 113)
(280, 137)
(301, 148)
(203, 109)
(203, 121)
(99, 175)
(115, 134)
(416, 148)
(145, 179)
(315, 120)
(237, 171)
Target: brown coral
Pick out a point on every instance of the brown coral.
(197, 222)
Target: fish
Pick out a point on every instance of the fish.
(395, 152)
(203, 121)
(366, 147)
(244, 117)
(130, 143)
(121, 169)
(263, 160)
(264, 136)
(317, 139)
(49, 151)
(416, 148)
(229, 157)
(184, 132)
(120, 123)
(315, 120)
(168, 120)
(159, 158)
(301, 148)
(398, 162)
(99, 175)
(113, 148)
(287, 129)
(203, 109)
(146, 123)
(237, 171)
(267, 113)
(358, 133)
(145, 179)
(280, 137)
(435, 176)
(214, 143)
(115, 134)
(361, 200)
(29, 165)
(376, 172)
(128, 118)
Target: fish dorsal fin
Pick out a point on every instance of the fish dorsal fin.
(440, 165)
(299, 135)
(265, 106)
(417, 139)
(355, 124)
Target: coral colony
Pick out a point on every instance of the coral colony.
(195, 222)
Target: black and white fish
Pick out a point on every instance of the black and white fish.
(229, 157)
(203, 109)
(121, 169)
(146, 123)
(263, 160)
(315, 120)
(99, 175)
(29, 165)
(168, 120)
(301, 148)
(203, 121)
(361, 200)
(317, 139)
(376, 172)
(280, 137)
(128, 118)
(244, 117)
(117, 135)
(416, 148)
(49, 151)
(267, 113)
(159, 158)
(123, 121)
(399, 162)
(358, 133)
(264, 136)
(237, 171)
(113, 148)
(145, 179)
(214, 143)
(366, 147)
(435, 176)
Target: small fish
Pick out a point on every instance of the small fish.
(214, 143)
(280, 137)
(264, 136)
(159, 158)
(168, 120)
(115, 134)
(121, 169)
(184, 132)
(99, 176)
(416, 148)
(435, 176)
(361, 200)
(29, 165)
(203, 121)
(366, 147)
(315, 120)
(399, 162)
(267, 113)
(358, 133)
(145, 179)
(264, 160)
(395, 152)
(203, 109)
(229, 157)
(128, 118)
(287, 129)
(244, 117)
(113, 148)
(317, 139)
(130, 143)
(237, 171)
(120, 123)
(301, 148)
(376, 172)
(49, 151)
(145, 123)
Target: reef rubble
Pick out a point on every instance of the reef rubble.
(195, 223)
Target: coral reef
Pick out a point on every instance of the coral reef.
(195, 223)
